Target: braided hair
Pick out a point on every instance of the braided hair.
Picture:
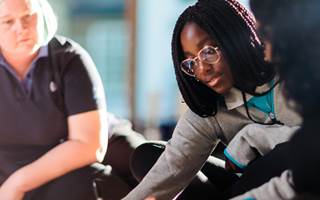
(232, 27)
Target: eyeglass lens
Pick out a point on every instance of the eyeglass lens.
(208, 55)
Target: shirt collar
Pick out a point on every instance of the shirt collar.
(234, 98)
(43, 52)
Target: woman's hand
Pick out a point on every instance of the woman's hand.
(10, 189)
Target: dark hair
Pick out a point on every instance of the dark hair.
(295, 27)
(233, 29)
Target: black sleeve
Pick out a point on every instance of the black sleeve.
(305, 159)
(82, 86)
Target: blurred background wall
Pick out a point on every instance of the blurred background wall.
(129, 40)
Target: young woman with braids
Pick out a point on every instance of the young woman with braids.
(221, 72)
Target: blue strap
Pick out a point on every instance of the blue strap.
(263, 103)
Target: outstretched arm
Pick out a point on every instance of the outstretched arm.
(192, 142)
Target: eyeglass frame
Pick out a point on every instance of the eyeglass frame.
(197, 59)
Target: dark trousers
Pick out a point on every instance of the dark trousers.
(120, 148)
(87, 183)
(76, 185)
(119, 181)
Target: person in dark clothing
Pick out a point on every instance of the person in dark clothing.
(44, 149)
(118, 180)
(291, 29)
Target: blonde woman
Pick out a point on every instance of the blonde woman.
(50, 126)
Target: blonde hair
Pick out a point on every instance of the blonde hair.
(47, 21)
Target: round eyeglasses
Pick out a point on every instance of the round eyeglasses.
(208, 54)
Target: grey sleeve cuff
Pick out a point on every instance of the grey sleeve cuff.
(254, 140)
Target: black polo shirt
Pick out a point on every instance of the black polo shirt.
(31, 122)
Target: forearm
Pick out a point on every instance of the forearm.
(169, 176)
(60, 160)
(182, 158)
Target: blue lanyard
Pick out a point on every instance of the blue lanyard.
(263, 103)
